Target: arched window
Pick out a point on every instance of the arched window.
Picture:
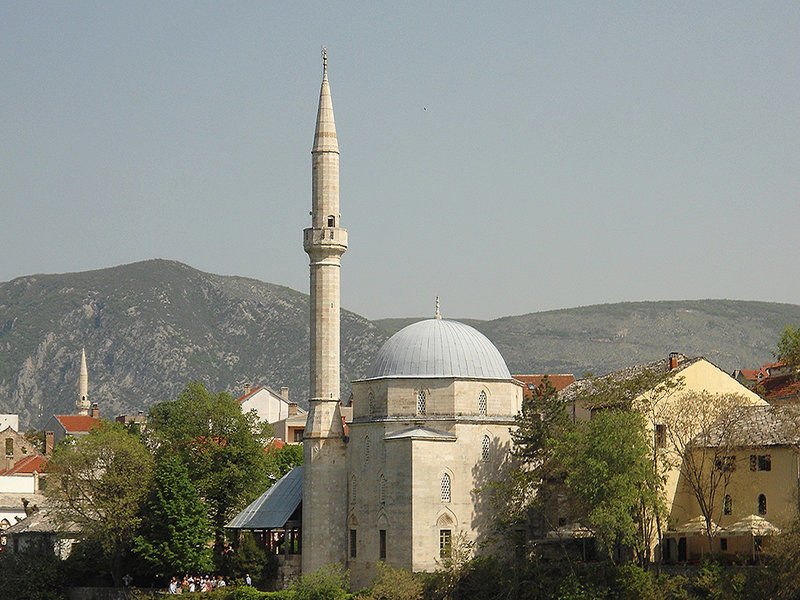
(727, 505)
(382, 490)
(485, 447)
(446, 488)
(762, 504)
(482, 404)
(421, 402)
(331, 221)
(371, 403)
(366, 449)
(353, 490)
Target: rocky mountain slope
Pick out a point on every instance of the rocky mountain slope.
(149, 328)
(152, 326)
(597, 339)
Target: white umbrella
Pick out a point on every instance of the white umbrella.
(697, 526)
(753, 525)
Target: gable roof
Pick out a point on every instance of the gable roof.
(274, 507)
(77, 423)
(658, 366)
(26, 466)
(769, 426)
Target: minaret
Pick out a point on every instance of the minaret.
(324, 474)
(82, 404)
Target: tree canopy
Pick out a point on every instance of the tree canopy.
(98, 483)
(789, 346)
(222, 448)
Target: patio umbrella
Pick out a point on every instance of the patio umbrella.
(754, 526)
(697, 526)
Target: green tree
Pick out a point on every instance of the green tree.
(98, 483)
(529, 488)
(609, 473)
(789, 347)
(175, 531)
(222, 447)
(282, 460)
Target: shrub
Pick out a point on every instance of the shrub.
(634, 583)
(331, 582)
(394, 584)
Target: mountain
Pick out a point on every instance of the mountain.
(597, 339)
(150, 327)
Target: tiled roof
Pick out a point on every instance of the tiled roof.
(27, 465)
(42, 521)
(78, 423)
(559, 382)
(248, 394)
(274, 507)
(769, 426)
(658, 366)
(13, 501)
(778, 388)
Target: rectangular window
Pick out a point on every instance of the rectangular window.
(9, 447)
(725, 463)
(298, 435)
(723, 544)
(382, 554)
(661, 435)
(764, 462)
(445, 543)
(353, 541)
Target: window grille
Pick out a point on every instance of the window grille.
(485, 448)
(445, 542)
(421, 401)
(353, 540)
(727, 505)
(482, 404)
(446, 488)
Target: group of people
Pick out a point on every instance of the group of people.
(197, 583)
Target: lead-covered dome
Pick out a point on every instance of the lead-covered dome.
(439, 348)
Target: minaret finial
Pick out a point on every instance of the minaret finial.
(438, 314)
(324, 60)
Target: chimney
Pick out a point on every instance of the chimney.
(246, 389)
(49, 442)
(285, 393)
(95, 414)
(674, 359)
(292, 407)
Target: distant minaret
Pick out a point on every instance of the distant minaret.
(82, 404)
(324, 474)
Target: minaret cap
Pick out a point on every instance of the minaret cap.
(325, 133)
(438, 314)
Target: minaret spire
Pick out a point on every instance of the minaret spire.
(82, 404)
(324, 450)
(438, 313)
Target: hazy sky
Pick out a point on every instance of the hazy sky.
(509, 157)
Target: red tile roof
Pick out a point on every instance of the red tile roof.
(248, 394)
(780, 388)
(78, 423)
(559, 382)
(27, 465)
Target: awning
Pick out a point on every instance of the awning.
(273, 508)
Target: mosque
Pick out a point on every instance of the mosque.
(430, 420)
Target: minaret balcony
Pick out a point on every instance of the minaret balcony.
(316, 239)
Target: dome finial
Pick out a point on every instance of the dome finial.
(438, 314)
(324, 60)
